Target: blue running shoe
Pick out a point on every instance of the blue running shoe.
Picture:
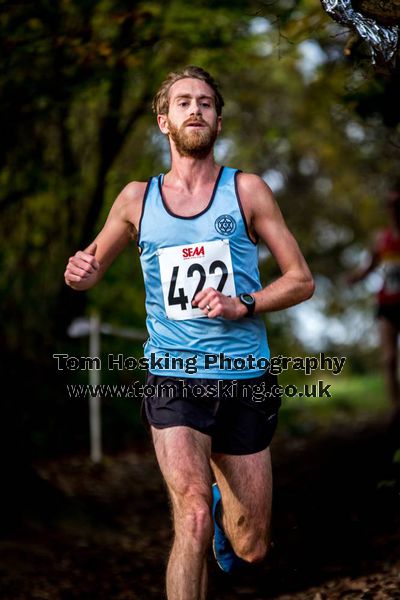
(223, 552)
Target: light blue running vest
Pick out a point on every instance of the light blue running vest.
(173, 343)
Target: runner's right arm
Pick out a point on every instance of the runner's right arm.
(85, 268)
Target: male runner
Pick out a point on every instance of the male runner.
(197, 229)
(386, 253)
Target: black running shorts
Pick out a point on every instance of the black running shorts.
(240, 415)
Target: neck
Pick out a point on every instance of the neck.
(189, 173)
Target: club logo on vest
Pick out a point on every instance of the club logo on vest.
(225, 224)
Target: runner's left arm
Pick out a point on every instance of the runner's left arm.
(296, 282)
(265, 221)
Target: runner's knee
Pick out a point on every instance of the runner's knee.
(252, 549)
(193, 520)
(253, 554)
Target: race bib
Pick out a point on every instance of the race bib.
(186, 270)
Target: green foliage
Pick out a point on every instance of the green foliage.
(396, 457)
(352, 398)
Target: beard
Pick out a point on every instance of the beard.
(193, 142)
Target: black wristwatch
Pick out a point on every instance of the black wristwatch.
(249, 302)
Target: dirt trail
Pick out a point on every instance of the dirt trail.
(336, 527)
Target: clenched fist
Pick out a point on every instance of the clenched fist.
(82, 269)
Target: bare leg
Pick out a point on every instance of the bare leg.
(245, 483)
(184, 458)
(389, 333)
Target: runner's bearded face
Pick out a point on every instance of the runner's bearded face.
(194, 138)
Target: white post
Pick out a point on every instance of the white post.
(94, 401)
(93, 328)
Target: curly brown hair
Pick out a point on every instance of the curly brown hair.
(161, 99)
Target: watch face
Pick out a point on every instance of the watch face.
(248, 299)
